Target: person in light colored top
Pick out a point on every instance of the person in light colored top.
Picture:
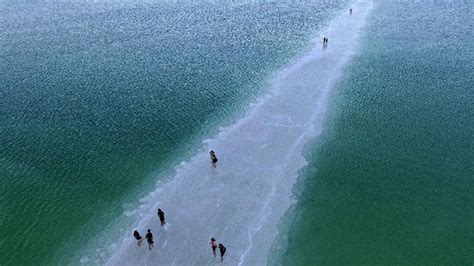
(213, 244)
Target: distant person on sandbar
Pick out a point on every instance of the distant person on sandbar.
(325, 42)
(350, 11)
(213, 246)
(213, 158)
(149, 238)
(222, 249)
(161, 215)
(138, 237)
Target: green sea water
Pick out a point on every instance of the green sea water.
(99, 97)
(391, 180)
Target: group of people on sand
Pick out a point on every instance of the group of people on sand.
(325, 40)
(161, 216)
(213, 242)
(149, 235)
(214, 245)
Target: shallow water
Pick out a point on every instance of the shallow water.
(99, 98)
(241, 201)
(391, 179)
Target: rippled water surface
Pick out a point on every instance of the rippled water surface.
(96, 96)
(392, 180)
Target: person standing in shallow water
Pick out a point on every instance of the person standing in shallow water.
(213, 246)
(222, 249)
(161, 215)
(149, 238)
(213, 158)
(138, 237)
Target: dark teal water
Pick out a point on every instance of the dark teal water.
(96, 97)
(391, 179)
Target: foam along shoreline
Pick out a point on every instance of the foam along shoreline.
(242, 201)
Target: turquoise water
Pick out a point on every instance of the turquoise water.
(391, 179)
(98, 97)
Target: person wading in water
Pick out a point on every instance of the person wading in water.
(138, 237)
(161, 215)
(222, 249)
(213, 158)
(213, 246)
(149, 238)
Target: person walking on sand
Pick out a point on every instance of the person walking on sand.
(350, 11)
(138, 237)
(213, 246)
(161, 215)
(222, 249)
(213, 158)
(149, 238)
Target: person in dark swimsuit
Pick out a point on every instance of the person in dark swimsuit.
(213, 246)
(213, 158)
(149, 238)
(222, 249)
(138, 237)
(161, 215)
